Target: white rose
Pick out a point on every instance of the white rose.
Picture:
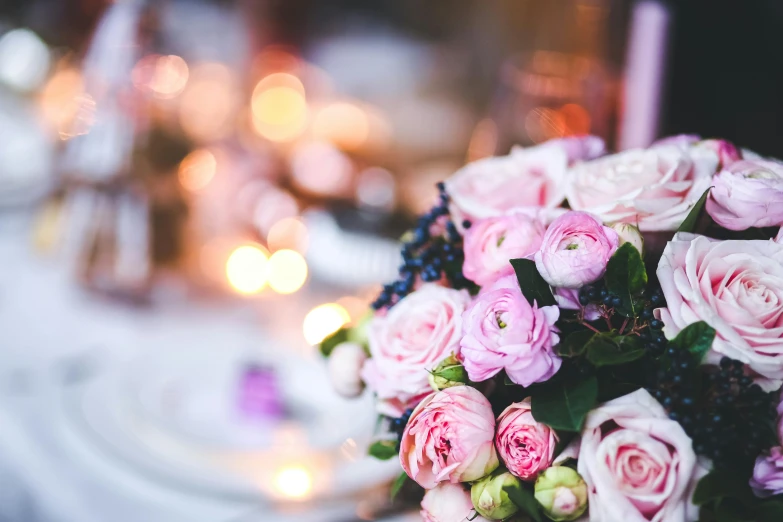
(653, 188)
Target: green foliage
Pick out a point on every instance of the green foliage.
(608, 349)
(338, 337)
(532, 284)
(725, 496)
(689, 224)
(383, 449)
(563, 405)
(575, 343)
(697, 338)
(626, 277)
(399, 482)
(525, 501)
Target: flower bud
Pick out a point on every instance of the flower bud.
(449, 372)
(344, 366)
(489, 497)
(358, 334)
(629, 233)
(562, 493)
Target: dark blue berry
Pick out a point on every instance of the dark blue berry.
(440, 186)
(583, 300)
(466, 224)
(655, 324)
(617, 301)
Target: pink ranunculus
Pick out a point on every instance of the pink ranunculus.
(639, 466)
(779, 237)
(736, 287)
(575, 250)
(491, 242)
(533, 177)
(652, 188)
(501, 330)
(449, 437)
(767, 479)
(727, 152)
(748, 194)
(448, 503)
(526, 446)
(413, 337)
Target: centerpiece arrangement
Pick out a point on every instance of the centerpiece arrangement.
(577, 335)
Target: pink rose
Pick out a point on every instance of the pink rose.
(501, 330)
(767, 479)
(653, 188)
(490, 243)
(638, 465)
(448, 503)
(734, 286)
(450, 436)
(526, 446)
(413, 337)
(532, 177)
(568, 299)
(575, 250)
(748, 194)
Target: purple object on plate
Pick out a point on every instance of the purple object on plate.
(259, 395)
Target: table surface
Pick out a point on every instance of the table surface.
(48, 328)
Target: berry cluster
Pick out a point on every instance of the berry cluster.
(432, 251)
(727, 416)
(597, 294)
(398, 425)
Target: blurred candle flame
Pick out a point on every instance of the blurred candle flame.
(324, 320)
(209, 102)
(294, 482)
(246, 269)
(287, 271)
(279, 108)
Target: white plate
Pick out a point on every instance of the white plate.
(174, 416)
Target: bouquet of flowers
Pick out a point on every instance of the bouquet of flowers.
(577, 335)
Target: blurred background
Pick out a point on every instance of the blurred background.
(193, 194)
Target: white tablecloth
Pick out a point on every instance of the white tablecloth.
(50, 330)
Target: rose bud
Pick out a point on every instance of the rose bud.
(628, 233)
(448, 373)
(489, 497)
(525, 445)
(767, 480)
(344, 366)
(448, 503)
(562, 493)
(747, 194)
(575, 250)
(449, 437)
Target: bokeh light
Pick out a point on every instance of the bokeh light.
(164, 76)
(271, 206)
(294, 482)
(290, 233)
(344, 124)
(246, 269)
(24, 59)
(324, 320)
(209, 102)
(287, 271)
(58, 99)
(278, 107)
(322, 169)
(197, 170)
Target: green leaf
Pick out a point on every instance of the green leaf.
(689, 224)
(574, 344)
(330, 342)
(608, 349)
(533, 286)
(525, 501)
(697, 338)
(719, 484)
(564, 405)
(454, 373)
(770, 511)
(626, 277)
(399, 482)
(383, 449)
